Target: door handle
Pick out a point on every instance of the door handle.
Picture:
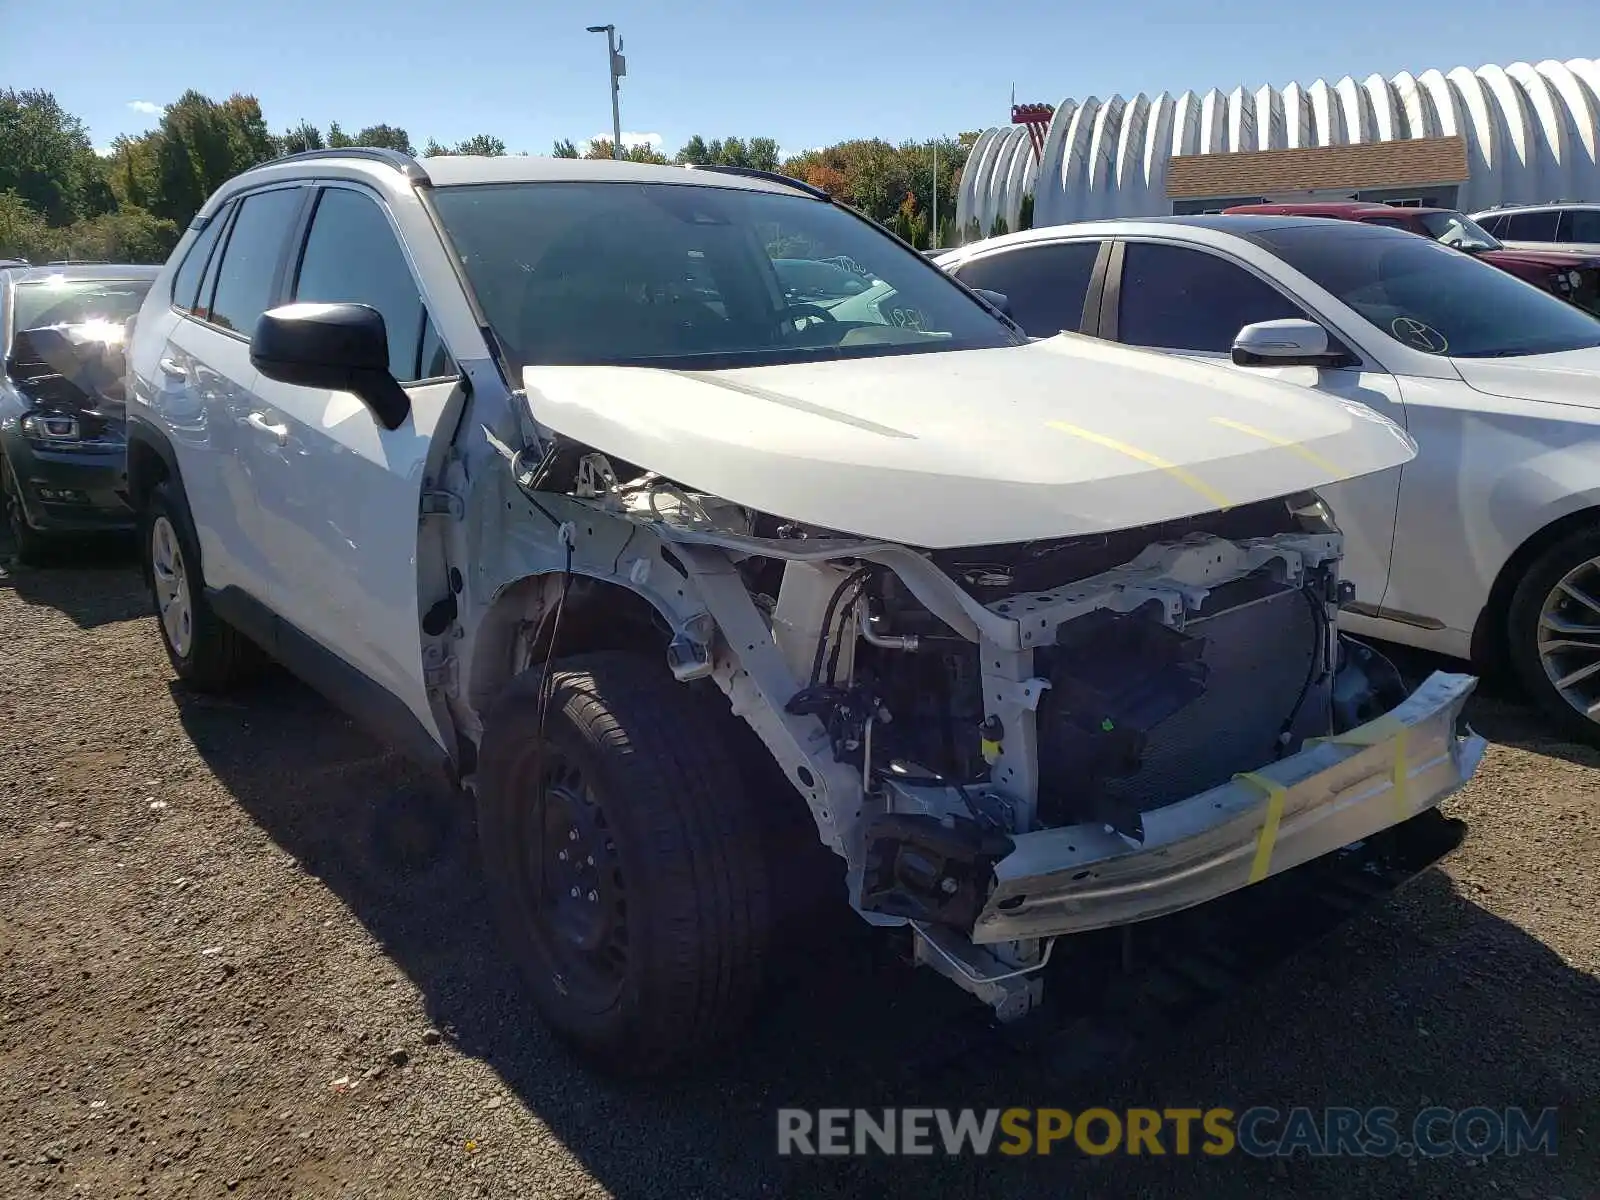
(259, 422)
(172, 369)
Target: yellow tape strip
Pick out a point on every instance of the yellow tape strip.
(1181, 474)
(1288, 444)
(1269, 828)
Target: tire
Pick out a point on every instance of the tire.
(666, 962)
(1574, 561)
(32, 547)
(207, 653)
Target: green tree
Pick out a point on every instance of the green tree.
(203, 144)
(482, 144)
(302, 137)
(338, 139)
(390, 137)
(46, 158)
(565, 148)
(759, 153)
(24, 233)
(998, 228)
(1025, 212)
(639, 153)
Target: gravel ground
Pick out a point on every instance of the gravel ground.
(239, 956)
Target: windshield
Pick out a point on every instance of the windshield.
(57, 301)
(697, 277)
(1458, 230)
(1431, 298)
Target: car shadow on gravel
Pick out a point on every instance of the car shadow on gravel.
(846, 1024)
(92, 580)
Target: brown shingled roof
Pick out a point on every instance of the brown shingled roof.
(1367, 165)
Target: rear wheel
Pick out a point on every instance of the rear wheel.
(1554, 633)
(624, 861)
(32, 547)
(207, 653)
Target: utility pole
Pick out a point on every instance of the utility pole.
(618, 67)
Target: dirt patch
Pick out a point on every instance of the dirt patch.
(241, 955)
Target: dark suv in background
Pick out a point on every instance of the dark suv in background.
(1572, 276)
(63, 455)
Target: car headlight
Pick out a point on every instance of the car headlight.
(1574, 278)
(51, 427)
(1564, 281)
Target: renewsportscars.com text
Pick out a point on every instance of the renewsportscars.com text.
(1260, 1132)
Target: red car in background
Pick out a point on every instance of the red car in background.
(1574, 277)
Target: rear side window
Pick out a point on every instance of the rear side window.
(186, 283)
(1580, 225)
(352, 256)
(1175, 298)
(1045, 284)
(250, 259)
(1531, 227)
(1495, 226)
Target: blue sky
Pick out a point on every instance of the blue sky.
(804, 73)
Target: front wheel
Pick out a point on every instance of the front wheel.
(624, 860)
(1554, 631)
(32, 547)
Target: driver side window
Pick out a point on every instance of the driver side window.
(1179, 298)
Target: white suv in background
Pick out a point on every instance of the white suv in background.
(1566, 225)
(539, 467)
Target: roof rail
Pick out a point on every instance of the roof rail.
(399, 160)
(770, 176)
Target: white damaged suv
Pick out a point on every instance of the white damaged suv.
(544, 471)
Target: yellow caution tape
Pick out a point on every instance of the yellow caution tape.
(1181, 474)
(1288, 444)
(1269, 829)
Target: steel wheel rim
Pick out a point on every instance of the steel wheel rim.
(572, 886)
(1569, 638)
(171, 581)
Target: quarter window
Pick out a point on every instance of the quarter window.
(250, 259)
(1045, 284)
(1175, 298)
(353, 257)
(186, 282)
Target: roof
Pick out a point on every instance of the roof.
(86, 272)
(1243, 226)
(1412, 162)
(452, 170)
(1345, 209)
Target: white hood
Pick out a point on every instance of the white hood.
(1057, 438)
(1568, 377)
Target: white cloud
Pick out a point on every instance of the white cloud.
(653, 140)
(105, 151)
(144, 106)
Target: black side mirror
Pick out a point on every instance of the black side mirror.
(340, 347)
(997, 300)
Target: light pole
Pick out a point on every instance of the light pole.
(619, 68)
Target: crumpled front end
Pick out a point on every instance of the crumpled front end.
(1337, 791)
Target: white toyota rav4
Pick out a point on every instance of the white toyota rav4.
(541, 469)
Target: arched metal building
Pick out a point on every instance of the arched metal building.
(1461, 139)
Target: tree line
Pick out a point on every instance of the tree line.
(60, 199)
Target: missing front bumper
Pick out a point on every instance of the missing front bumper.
(1337, 791)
